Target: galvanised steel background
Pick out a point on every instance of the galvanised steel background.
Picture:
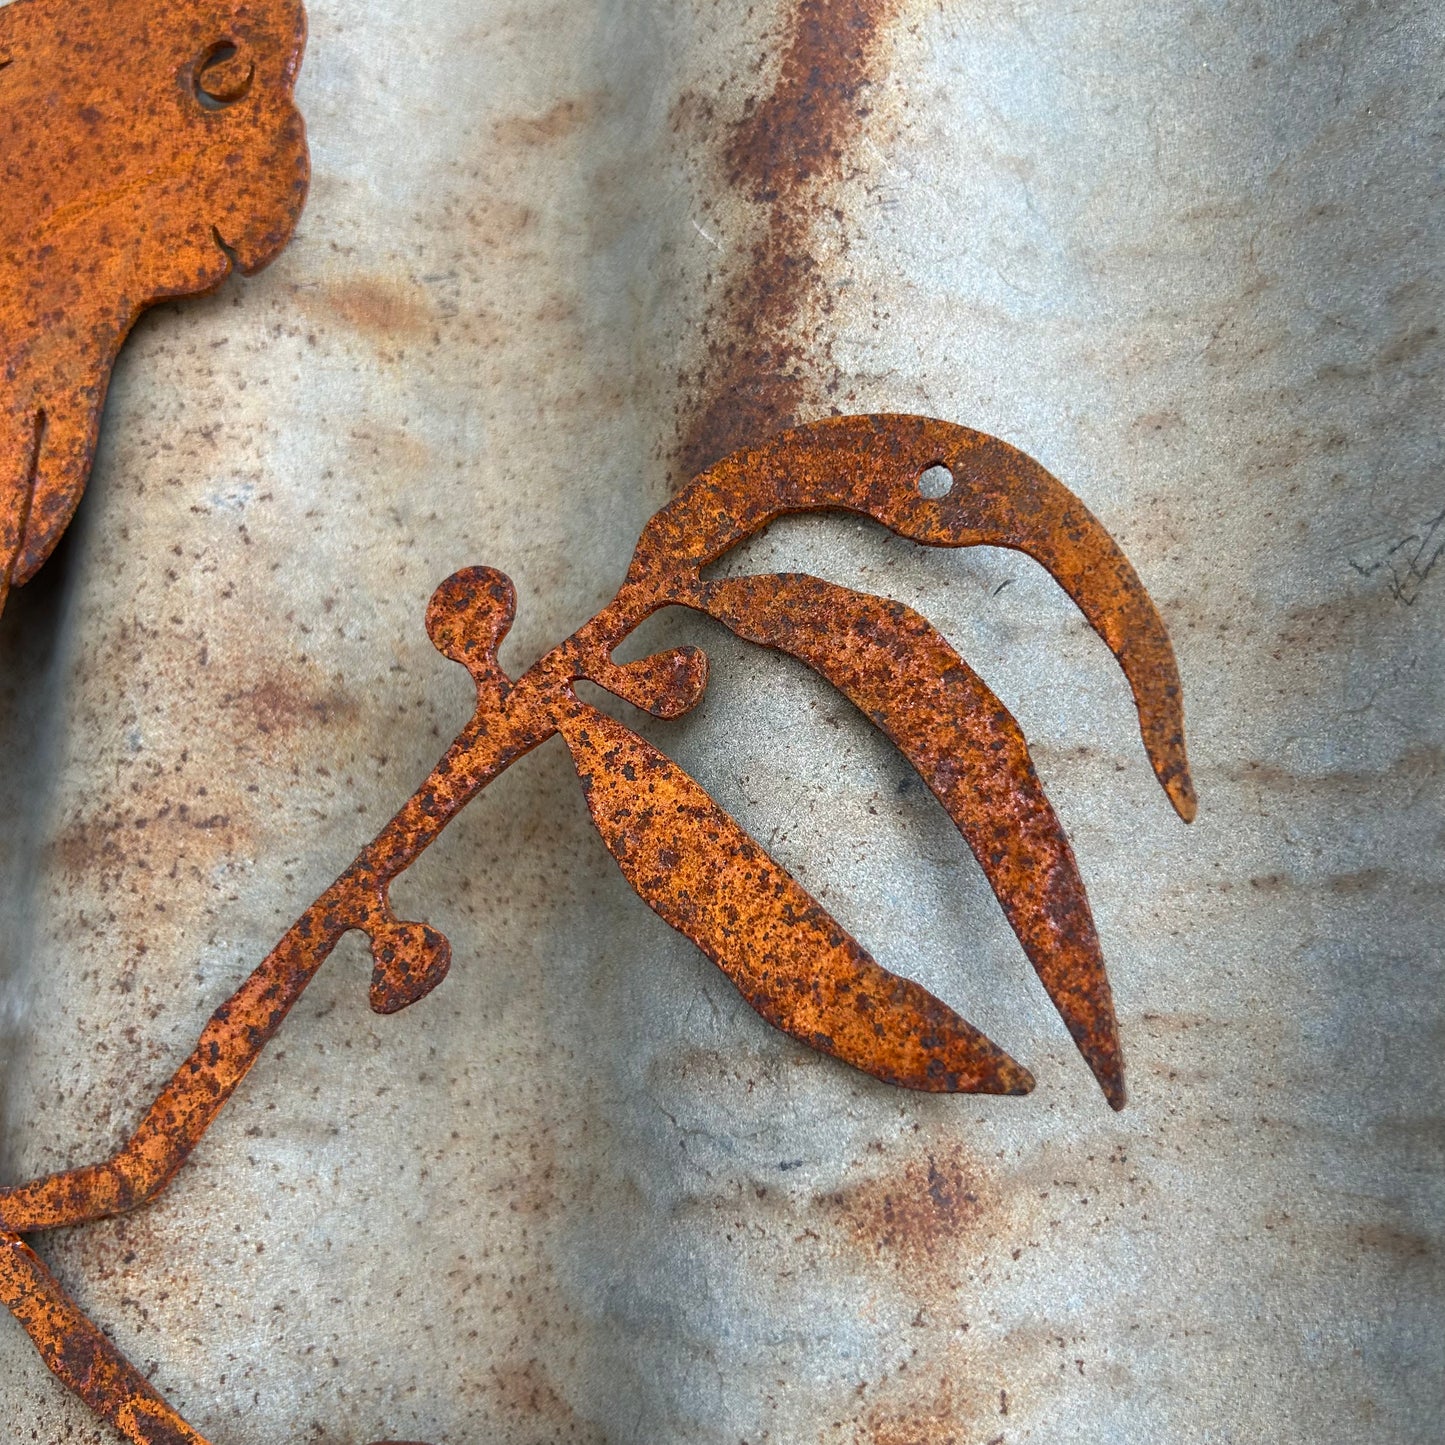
(556, 256)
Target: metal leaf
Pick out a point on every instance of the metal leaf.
(901, 674)
(1000, 497)
(696, 868)
(687, 858)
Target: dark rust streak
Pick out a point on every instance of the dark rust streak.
(691, 862)
(145, 149)
(760, 369)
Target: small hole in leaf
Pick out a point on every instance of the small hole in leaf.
(936, 482)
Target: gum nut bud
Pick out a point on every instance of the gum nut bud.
(469, 615)
(667, 684)
(408, 961)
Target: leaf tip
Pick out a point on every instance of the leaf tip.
(979, 1066)
(1106, 1063)
(1180, 789)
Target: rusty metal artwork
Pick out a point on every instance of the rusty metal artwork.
(685, 857)
(146, 148)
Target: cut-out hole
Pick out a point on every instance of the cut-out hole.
(936, 482)
(217, 80)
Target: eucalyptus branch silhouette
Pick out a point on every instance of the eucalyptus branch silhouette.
(692, 863)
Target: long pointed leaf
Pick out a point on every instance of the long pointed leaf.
(695, 867)
(901, 674)
(1000, 498)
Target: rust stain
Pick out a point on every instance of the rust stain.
(389, 451)
(560, 121)
(147, 149)
(922, 1215)
(282, 704)
(107, 848)
(938, 1414)
(527, 1391)
(760, 369)
(685, 857)
(800, 131)
(381, 308)
(1403, 1248)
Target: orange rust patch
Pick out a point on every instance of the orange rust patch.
(108, 847)
(388, 451)
(944, 1416)
(800, 132)
(759, 370)
(380, 308)
(278, 705)
(919, 1215)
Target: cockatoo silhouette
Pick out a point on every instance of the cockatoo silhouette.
(145, 149)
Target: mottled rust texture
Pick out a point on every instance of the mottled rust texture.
(145, 150)
(895, 668)
(81, 1356)
(688, 859)
(999, 497)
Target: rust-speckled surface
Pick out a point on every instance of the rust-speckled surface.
(145, 149)
(1183, 255)
(691, 862)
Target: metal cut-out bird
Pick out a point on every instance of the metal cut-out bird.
(146, 148)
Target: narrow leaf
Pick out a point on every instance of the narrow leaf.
(696, 868)
(1000, 498)
(901, 674)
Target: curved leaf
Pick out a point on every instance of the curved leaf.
(901, 674)
(696, 868)
(1000, 497)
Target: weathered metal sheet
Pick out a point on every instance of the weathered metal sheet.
(1187, 259)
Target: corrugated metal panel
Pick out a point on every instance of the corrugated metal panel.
(555, 257)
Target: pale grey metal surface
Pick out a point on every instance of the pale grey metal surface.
(1187, 256)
